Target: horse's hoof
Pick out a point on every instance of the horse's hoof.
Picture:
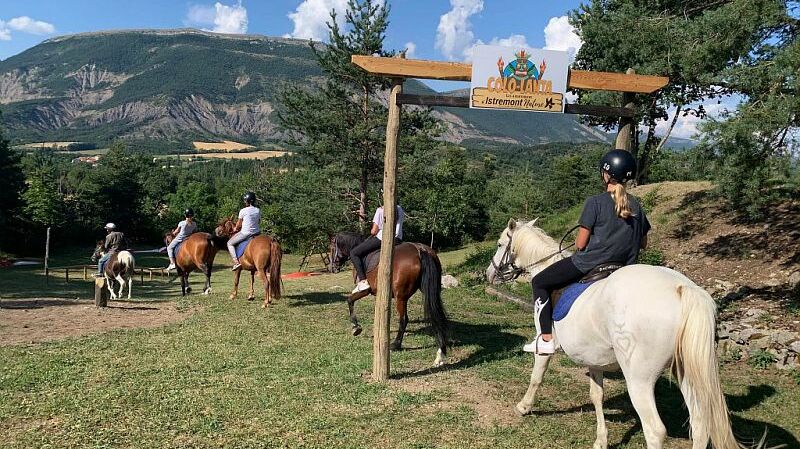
(232, 297)
(207, 291)
(357, 331)
(521, 410)
(188, 290)
(251, 298)
(395, 346)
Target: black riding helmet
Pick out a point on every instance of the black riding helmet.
(249, 198)
(188, 213)
(619, 164)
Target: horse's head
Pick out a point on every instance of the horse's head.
(225, 227)
(339, 249)
(502, 267)
(98, 251)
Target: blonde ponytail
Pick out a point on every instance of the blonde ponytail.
(620, 196)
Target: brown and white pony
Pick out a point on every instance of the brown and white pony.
(121, 267)
(263, 256)
(197, 252)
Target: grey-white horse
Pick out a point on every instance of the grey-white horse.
(642, 319)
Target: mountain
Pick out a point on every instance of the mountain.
(181, 85)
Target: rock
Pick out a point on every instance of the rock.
(755, 312)
(772, 283)
(794, 279)
(449, 281)
(760, 343)
(724, 285)
(795, 347)
(784, 338)
(750, 334)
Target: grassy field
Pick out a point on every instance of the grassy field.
(234, 375)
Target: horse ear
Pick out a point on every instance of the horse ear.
(512, 224)
(533, 222)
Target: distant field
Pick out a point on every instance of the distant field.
(46, 145)
(95, 152)
(264, 154)
(225, 145)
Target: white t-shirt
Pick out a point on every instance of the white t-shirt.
(251, 220)
(400, 216)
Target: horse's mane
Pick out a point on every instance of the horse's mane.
(531, 244)
(346, 240)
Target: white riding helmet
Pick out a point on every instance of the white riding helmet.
(111, 226)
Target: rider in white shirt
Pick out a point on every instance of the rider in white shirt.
(373, 243)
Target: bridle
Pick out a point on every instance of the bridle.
(506, 270)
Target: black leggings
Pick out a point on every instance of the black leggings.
(361, 251)
(557, 275)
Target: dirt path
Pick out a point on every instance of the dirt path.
(46, 319)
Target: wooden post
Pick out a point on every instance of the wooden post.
(624, 134)
(47, 258)
(66, 275)
(85, 273)
(383, 313)
(101, 293)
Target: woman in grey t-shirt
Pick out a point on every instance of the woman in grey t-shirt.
(182, 232)
(613, 227)
(248, 225)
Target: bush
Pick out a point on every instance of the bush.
(761, 359)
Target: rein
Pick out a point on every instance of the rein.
(506, 270)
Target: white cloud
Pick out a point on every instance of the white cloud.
(560, 35)
(24, 24)
(411, 50)
(454, 37)
(687, 127)
(226, 19)
(5, 33)
(28, 25)
(311, 18)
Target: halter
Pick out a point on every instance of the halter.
(506, 270)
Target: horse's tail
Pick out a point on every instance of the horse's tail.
(127, 262)
(695, 366)
(275, 256)
(431, 287)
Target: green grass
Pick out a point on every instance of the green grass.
(234, 375)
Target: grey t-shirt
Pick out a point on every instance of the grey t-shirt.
(186, 228)
(613, 239)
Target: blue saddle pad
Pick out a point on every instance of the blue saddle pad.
(568, 298)
(243, 246)
(178, 247)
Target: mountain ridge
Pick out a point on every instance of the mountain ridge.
(187, 84)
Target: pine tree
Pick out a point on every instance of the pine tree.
(12, 183)
(341, 125)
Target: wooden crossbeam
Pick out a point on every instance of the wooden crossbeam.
(463, 102)
(457, 71)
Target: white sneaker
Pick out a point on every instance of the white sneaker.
(539, 346)
(361, 286)
(171, 266)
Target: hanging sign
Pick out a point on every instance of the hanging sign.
(519, 79)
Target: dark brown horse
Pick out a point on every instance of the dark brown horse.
(415, 267)
(121, 267)
(197, 252)
(263, 255)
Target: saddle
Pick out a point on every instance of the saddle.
(372, 259)
(241, 247)
(564, 299)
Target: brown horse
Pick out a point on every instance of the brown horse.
(263, 254)
(197, 252)
(415, 267)
(120, 267)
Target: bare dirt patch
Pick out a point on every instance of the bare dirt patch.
(47, 319)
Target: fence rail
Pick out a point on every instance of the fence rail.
(86, 271)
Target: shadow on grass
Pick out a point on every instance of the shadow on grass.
(672, 410)
(493, 342)
(316, 298)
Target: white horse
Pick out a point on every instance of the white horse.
(641, 319)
